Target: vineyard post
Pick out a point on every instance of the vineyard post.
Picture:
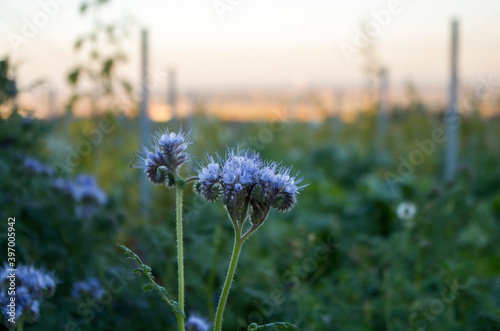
(172, 91)
(145, 125)
(451, 116)
(383, 108)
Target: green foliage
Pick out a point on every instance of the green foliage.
(8, 89)
(99, 53)
(340, 260)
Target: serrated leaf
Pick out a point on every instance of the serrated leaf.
(162, 291)
(176, 309)
(148, 287)
(146, 270)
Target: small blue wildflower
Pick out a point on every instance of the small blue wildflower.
(91, 288)
(196, 323)
(285, 189)
(85, 191)
(83, 188)
(32, 286)
(37, 167)
(164, 157)
(242, 179)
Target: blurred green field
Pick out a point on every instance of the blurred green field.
(342, 259)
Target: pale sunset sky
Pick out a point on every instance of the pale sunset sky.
(259, 44)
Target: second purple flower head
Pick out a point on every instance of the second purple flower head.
(248, 186)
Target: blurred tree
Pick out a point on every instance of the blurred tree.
(96, 78)
(8, 88)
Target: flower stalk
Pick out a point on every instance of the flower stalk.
(180, 248)
(160, 163)
(249, 188)
(238, 243)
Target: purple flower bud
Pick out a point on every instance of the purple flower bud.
(165, 156)
(285, 190)
(209, 179)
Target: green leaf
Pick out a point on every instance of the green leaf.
(73, 76)
(136, 270)
(78, 44)
(148, 287)
(107, 67)
(127, 86)
(177, 310)
(83, 7)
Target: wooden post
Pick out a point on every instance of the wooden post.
(51, 103)
(383, 108)
(337, 122)
(338, 103)
(145, 125)
(451, 117)
(172, 91)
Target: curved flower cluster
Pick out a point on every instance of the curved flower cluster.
(91, 288)
(243, 180)
(165, 155)
(32, 286)
(195, 323)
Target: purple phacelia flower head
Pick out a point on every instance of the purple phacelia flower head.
(32, 286)
(209, 178)
(242, 180)
(196, 323)
(163, 158)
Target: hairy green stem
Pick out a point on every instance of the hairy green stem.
(238, 242)
(20, 324)
(180, 254)
(180, 322)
